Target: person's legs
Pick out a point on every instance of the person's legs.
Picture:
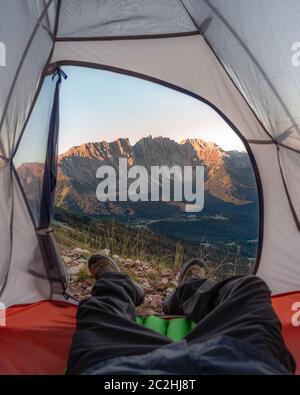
(106, 326)
(239, 307)
(183, 300)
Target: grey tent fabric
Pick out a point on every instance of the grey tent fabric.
(236, 55)
(23, 274)
(28, 49)
(256, 49)
(289, 160)
(280, 253)
(111, 18)
(24, 277)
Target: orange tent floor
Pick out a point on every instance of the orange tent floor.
(37, 337)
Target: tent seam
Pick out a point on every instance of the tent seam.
(11, 234)
(234, 33)
(20, 65)
(40, 85)
(228, 75)
(136, 37)
(31, 218)
(48, 21)
(37, 93)
(287, 191)
(287, 147)
(23, 193)
(57, 20)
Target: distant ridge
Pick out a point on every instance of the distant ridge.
(229, 176)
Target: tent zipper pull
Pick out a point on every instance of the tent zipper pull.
(60, 73)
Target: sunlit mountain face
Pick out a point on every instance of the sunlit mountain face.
(230, 205)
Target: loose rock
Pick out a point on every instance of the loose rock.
(105, 252)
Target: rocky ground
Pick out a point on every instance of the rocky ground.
(157, 280)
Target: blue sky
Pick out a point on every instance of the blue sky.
(99, 105)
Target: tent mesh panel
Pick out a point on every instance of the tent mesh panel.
(105, 18)
(29, 161)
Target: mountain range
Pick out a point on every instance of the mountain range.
(229, 177)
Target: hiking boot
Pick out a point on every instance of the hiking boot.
(100, 264)
(194, 268)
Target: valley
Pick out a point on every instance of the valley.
(230, 213)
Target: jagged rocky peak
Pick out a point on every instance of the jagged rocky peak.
(209, 153)
(195, 141)
(201, 144)
(228, 174)
(100, 150)
(160, 141)
(161, 151)
(88, 150)
(121, 146)
(148, 147)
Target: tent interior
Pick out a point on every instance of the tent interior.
(229, 55)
